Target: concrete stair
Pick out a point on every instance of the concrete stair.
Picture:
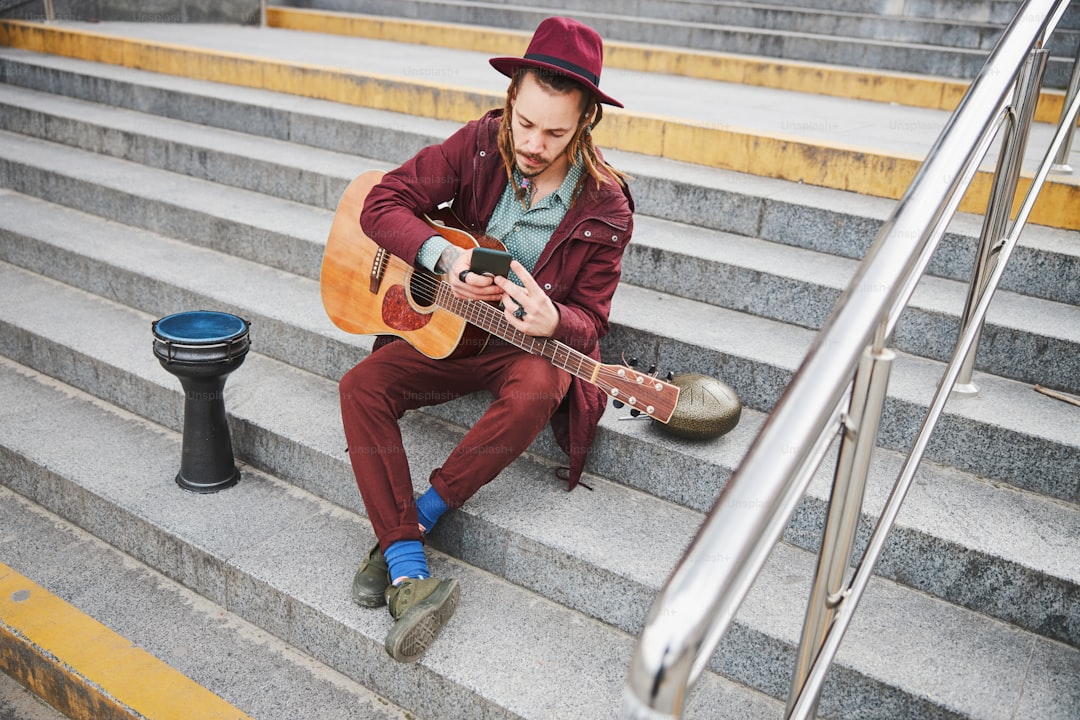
(129, 195)
(159, 11)
(943, 39)
(266, 676)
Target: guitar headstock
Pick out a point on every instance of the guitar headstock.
(642, 392)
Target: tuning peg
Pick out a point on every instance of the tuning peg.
(635, 412)
(632, 362)
(670, 375)
(618, 403)
(652, 369)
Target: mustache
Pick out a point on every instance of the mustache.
(531, 157)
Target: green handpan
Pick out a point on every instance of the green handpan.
(707, 408)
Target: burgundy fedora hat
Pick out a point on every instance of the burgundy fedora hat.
(565, 46)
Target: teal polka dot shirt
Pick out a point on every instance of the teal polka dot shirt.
(524, 231)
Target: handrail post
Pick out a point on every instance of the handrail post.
(50, 11)
(1061, 161)
(860, 430)
(1000, 203)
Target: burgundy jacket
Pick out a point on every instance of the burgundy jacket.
(579, 269)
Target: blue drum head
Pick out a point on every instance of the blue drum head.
(199, 327)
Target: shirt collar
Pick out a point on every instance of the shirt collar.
(565, 193)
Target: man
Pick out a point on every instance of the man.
(528, 175)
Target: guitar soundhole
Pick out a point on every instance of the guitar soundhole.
(422, 285)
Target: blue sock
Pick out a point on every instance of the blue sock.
(406, 558)
(429, 508)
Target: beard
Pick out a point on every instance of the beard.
(531, 166)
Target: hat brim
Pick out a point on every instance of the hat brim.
(510, 65)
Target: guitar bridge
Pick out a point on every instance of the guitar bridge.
(378, 269)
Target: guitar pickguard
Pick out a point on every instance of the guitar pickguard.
(398, 313)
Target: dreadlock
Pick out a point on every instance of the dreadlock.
(581, 144)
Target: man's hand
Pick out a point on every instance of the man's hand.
(528, 308)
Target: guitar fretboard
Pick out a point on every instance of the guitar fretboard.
(489, 318)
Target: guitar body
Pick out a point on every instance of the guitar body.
(398, 301)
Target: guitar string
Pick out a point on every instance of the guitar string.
(489, 317)
(478, 312)
(443, 295)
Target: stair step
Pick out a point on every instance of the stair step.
(1046, 264)
(702, 496)
(698, 18)
(1017, 327)
(994, 11)
(757, 369)
(313, 177)
(758, 357)
(802, 286)
(486, 661)
(182, 630)
(715, 137)
(142, 194)
(18, 703)
(911, 46)
(818, 78)
(288, 323)
(250, 566)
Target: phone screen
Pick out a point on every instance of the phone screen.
(486, 260)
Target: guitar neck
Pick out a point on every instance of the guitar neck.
(641, 392)
(489, 318)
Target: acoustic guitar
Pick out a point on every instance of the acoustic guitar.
(366, 290)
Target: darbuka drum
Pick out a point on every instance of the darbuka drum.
(201, 348)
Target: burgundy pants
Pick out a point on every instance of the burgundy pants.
(395, 378)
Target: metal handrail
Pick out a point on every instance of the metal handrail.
(699, 600)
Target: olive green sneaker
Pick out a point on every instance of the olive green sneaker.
(371, 580)
(421, 609)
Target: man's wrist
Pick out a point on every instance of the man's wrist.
(430, 252)
(447, 258)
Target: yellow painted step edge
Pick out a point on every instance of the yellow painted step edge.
(84, 669)
(832, 165)
(883, 86)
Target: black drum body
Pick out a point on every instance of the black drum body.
(201, 348)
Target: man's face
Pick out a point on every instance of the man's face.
(544, 122)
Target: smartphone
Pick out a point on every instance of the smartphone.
(486, 260)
